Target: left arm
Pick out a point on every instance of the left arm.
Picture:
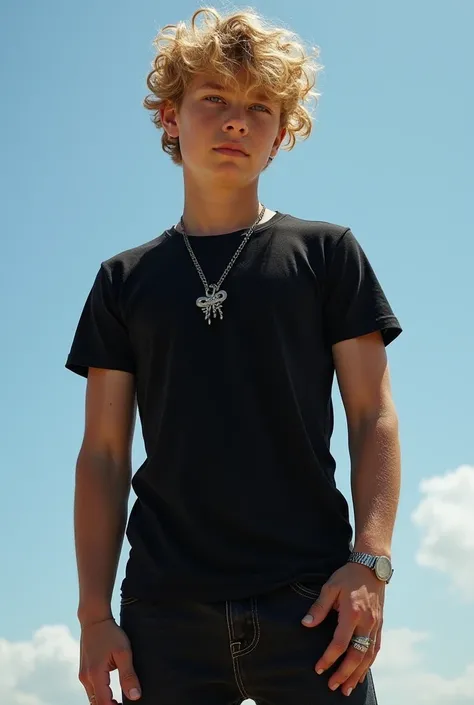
(363, 378)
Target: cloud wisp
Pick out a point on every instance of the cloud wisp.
(445, 517)
(43, 670)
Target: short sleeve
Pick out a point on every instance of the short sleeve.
(101, 338)
(355, 303)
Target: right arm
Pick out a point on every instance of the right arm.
(103, 478)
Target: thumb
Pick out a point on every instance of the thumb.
(320, 609)
(128, 678)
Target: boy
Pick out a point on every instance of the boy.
(227, 329)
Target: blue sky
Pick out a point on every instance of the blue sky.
(83, 177)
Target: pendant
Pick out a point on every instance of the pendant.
(211, 304)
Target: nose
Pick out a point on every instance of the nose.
(235, 125)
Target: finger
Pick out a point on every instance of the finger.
(340, 641)
(100, 681)
(128, 678)
(90, 695)
(356, 661)
(377, 647)
(93, 700)
(320, 609)
(87, 685)
(349, 676)
(360, 672)
(348, 666)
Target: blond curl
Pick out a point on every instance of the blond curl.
(273, 58)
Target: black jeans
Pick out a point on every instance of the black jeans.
(190, 653)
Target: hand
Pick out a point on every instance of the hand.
(105, 647)
(358, 595)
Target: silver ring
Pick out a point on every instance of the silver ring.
(361, 643)
(359, 647)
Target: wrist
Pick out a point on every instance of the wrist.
(373, 546)
(88, 614)
(87, 625)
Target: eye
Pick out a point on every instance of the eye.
(261, 108)
(214, 98)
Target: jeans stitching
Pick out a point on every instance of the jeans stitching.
(235, 664)
(256, 628)
(238, 678)
(304, 591)
(128, 601)
(230, 627)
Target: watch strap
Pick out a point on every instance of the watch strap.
(363, 558)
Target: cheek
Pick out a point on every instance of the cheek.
(201, 122)
(266, 128)
(191, 134)
(265, 135)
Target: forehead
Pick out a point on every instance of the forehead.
(242, 84)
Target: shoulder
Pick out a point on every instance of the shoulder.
(319, 238)
(123, 265)
(320, 231)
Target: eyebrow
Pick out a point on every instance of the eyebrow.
(213, 86)
(210, 85)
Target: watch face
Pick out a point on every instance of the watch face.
(383, 568)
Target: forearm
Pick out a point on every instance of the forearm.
(375, 479)
(100, 515)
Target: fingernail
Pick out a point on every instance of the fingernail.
(134, 694)
(307, 619)
(335, 686)
(320, 671)
(349, 691)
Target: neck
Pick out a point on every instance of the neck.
(212, 211)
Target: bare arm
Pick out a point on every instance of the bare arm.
(356, 593)
(103, 476)
(363, 377)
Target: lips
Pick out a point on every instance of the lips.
(230, 147)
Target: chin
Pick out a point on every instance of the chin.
(236, 177)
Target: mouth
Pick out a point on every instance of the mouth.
(232, 150)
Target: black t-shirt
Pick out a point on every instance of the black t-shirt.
(237, 493)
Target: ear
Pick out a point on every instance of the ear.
(278, 140)
(168, 114)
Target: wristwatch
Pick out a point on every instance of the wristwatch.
(381, 565)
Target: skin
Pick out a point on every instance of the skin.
(354, 590)
(221, 191)
(103, 476)
(221, 195)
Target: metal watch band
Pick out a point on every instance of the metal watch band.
(363, 558)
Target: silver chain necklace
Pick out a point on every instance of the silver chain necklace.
(211, 303)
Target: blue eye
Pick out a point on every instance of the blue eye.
(261, 108)
(211, 98)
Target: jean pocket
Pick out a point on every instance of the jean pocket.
(309, 590)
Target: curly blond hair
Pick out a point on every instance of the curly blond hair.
(273, 58)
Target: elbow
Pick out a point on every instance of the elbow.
(103, 467)
(383, 416)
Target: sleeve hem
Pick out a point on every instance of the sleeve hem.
(389, 326)
(81, 367)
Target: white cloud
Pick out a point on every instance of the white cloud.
(446, 518)
(401, 674)
(42, 671)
